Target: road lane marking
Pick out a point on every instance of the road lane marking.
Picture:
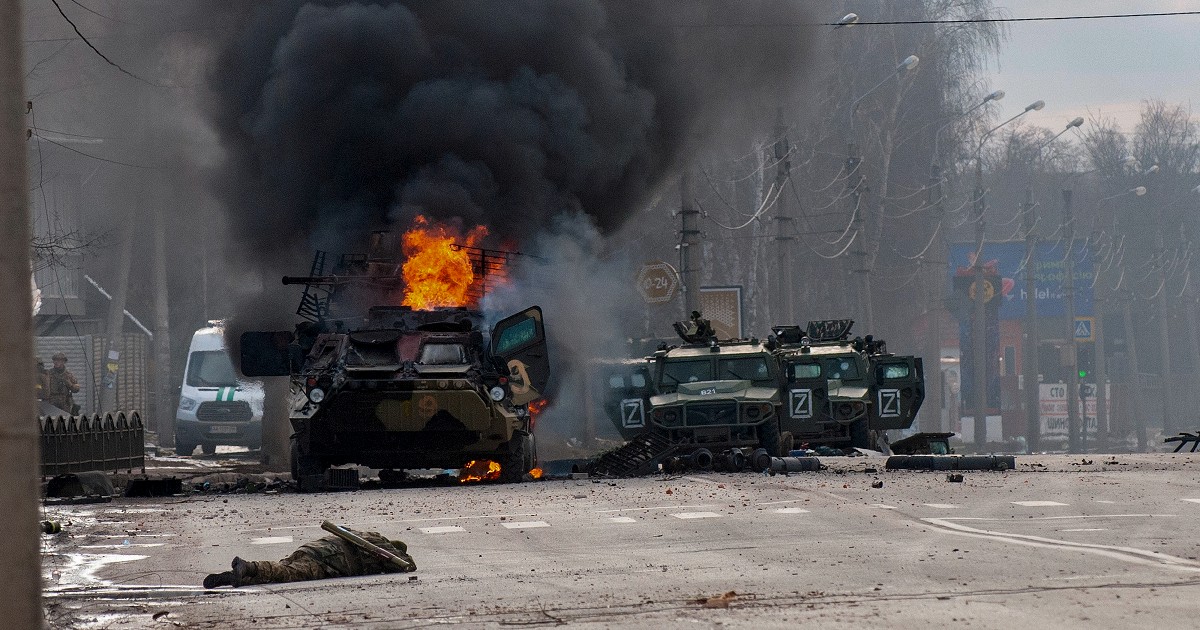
(1131, 555)
(443, 529)
(1085, 529)
(941, 506)
(690, 515)
(791, 511)
(1099, 501)
(780, 502)
(1191, 500)
(884, 506)
(657, 507)
(271, 540)
(525, 524)
(124, 546)
(622, 519)
(1039, 503)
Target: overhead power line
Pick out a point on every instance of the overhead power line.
(1020, 19)
(97, 50)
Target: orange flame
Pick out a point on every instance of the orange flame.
(436, 273)
(535, 409)
(536, 473)
(479, 470)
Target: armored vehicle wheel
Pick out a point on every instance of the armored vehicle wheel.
(860, 434)
(305, 465)
(208, 448)
(519, 459)
(771, 439)
(184, 448)
(787, 443)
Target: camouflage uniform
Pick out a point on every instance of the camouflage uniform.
(328, 557)
(62, 385)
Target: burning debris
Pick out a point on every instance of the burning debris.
(479, 470)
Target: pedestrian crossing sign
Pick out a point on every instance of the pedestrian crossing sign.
(1085, 329)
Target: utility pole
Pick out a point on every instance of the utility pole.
(1164, 326)
(858, 264)
(784, 226)
(933, 341)
(1100, 348)
(1074, 429)
(1031, 342)
(116, 316)
(979, 367)
(1132, 359)
(20, 564)
(164, 419)
(689, 240)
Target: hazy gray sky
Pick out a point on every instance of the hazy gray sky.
(1105, 67)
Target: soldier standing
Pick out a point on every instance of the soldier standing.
(62, 385)
(327, 557)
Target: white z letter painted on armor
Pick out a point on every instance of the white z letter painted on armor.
(889, 403)
(632, 414)
(800, 402)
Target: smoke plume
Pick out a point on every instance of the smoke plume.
(340, 117)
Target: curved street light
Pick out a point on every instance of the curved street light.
(994, 96)
(978, 329)
(909, 63)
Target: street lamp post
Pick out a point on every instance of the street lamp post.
(855, 182)
(1030, 342)
(937, 200)
(979, 325)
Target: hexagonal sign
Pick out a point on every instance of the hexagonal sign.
(657, 282)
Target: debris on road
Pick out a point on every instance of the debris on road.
(720, 601)
(954, 477)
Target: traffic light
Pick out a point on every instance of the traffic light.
(1086, 361)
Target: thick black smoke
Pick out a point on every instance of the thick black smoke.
(339, 117)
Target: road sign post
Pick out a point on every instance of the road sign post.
(658, 282)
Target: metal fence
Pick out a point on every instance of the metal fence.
(107, 442)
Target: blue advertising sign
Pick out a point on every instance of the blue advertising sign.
(1049, 269)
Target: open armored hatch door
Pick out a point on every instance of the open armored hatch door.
(899, 391)
(266, 353)
(519, 341)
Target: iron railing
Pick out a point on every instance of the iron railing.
(106, 442)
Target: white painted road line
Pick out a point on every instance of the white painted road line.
(688, 515)
(791, 511)
(657, 507)
(1039, 503)
(1191, 500)
(1099, 501)
(271, 540)
(941, 506)
(779, 502)
(443, 529)
(526, 524)
(884, 506)
(622, 519)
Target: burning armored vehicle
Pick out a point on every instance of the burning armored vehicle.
(402, 387)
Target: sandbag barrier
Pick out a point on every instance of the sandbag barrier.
(951, 462)
(110, 442)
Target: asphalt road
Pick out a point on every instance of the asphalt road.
(1057, 543)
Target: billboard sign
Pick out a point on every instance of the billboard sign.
(1049, 269)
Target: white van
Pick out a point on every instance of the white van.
(215, 406)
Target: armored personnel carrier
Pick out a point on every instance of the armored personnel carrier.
(400, 389)
(841, 391)
(704, 394)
